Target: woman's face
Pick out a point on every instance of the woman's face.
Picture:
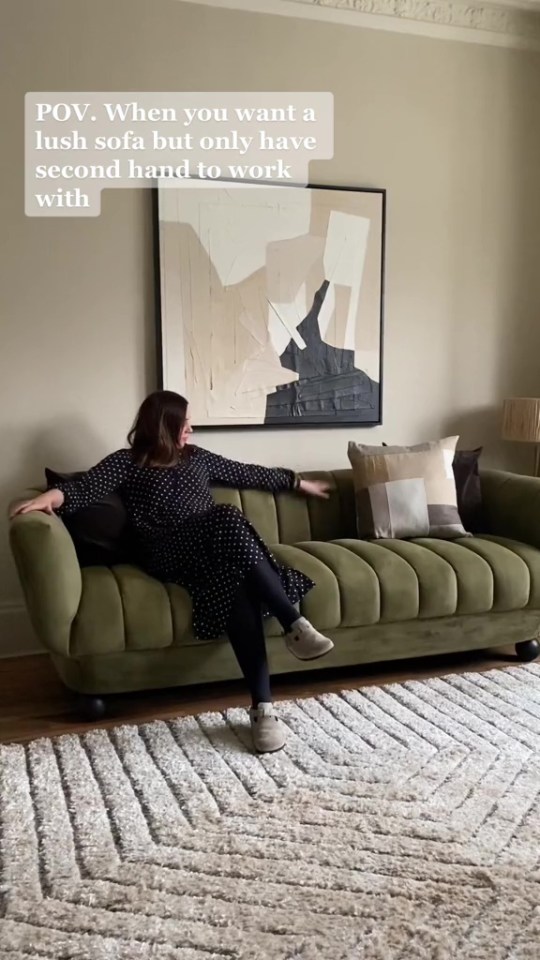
(185, 432)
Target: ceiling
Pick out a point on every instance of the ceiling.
(513, 23)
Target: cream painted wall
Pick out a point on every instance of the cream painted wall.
(451, 130)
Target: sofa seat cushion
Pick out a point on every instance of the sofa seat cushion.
(364, 582)
(358, 583)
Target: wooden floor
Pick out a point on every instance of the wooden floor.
(34, 703)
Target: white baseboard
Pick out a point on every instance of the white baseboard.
(17, 638)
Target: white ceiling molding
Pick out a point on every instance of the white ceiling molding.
(508, 23)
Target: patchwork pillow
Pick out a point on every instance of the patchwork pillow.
(468, 485)
(403, 492)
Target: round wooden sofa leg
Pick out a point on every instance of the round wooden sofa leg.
(528, 650)
(90, 707)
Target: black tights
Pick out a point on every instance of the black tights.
(245, 626)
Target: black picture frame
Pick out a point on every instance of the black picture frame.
(364, 417)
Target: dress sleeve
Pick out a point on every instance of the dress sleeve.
(248, 476)
(107, 475)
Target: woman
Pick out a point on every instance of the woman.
(212, 550)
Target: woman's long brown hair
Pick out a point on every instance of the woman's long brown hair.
(154, 434)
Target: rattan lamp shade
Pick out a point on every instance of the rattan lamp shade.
(521, 421)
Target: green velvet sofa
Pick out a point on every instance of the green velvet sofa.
(116, 629)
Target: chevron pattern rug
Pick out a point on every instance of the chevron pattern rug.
(400, 823)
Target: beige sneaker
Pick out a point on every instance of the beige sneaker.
(306, 642)
(266, 729)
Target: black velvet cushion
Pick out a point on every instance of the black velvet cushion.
(100, 532)
(469, 491)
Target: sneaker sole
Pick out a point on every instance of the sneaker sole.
(271, 750)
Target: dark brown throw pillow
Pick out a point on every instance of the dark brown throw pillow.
(101, 533)
(468, 487)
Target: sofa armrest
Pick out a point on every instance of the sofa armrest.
(511, 504)
(50, 576)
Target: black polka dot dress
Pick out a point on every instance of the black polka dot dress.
(184, 536)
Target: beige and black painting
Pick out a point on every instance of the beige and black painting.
(271, 303)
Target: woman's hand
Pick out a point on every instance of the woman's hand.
(315, 488)
(46, 502)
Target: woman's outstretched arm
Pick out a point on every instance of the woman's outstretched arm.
(67, 496)
(106, 477)
(249, 476)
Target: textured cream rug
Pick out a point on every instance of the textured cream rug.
(400, 823)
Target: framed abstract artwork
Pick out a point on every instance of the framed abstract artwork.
(271, 303)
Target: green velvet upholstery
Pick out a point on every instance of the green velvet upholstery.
(116, 629)
(50, 575)
(512, 505)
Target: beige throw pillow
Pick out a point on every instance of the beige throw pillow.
(403, 492)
